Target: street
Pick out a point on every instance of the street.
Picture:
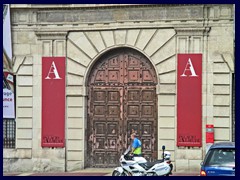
(85, 172)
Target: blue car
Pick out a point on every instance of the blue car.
(219, 160)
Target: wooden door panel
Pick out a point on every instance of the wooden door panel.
(148, 95)
(100, 128)
(112, 158)
(99, 96)
(142, 104)
(98, 159)
(148, 111)
(122, 98)
(105, 128)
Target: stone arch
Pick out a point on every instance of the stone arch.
(84, 49)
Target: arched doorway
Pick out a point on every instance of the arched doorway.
(121, 98)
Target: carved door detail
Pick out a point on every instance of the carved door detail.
(121, 98)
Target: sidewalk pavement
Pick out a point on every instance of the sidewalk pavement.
(84, 172)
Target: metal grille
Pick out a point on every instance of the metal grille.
(9, 133)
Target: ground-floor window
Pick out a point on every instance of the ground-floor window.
(9, 133)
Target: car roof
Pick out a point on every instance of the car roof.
(223, 145)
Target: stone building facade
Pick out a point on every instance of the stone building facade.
(86, 33)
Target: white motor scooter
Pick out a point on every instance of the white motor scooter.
(138, 166)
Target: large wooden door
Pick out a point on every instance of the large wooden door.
(122, 97)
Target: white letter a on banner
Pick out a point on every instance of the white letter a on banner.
(189, 67)
(53, 69)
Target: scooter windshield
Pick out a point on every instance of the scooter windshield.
(127, 150)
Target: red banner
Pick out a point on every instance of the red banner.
(189, 100)
(53, 101)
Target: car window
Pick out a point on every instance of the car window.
(221, 157)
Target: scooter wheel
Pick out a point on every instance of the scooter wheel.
(116, 173)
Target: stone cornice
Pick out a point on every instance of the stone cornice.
(89, 16)
(97, 6)
(72, 14)
(192, 31)
(51, 35)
